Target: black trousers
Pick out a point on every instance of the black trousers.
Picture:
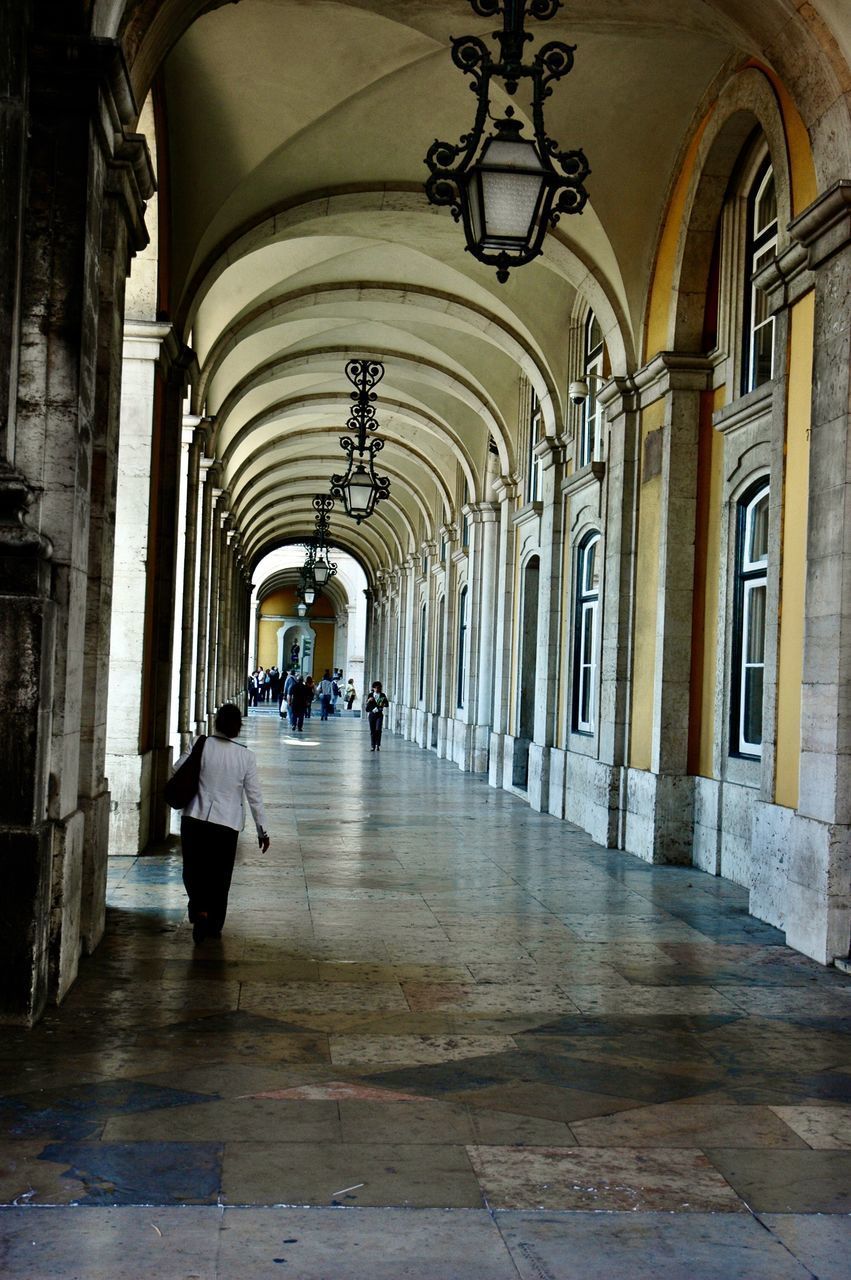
(209, 852)
(376, 724)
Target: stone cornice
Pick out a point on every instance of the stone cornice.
(825, 227)
(786, 278)
(672, 371)
(618, 396)
(506, 488)
(549, 452)
(745, 410)
(591, 474)
(527, 514)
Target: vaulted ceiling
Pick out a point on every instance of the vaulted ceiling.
(300, 235)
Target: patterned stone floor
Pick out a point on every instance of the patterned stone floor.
(429, 998)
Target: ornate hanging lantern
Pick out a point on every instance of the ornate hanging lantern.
(323, 567)
(508, 188)
(359, 489)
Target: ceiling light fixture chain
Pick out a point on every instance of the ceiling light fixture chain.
(506, 188)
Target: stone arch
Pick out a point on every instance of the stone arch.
(747, 103)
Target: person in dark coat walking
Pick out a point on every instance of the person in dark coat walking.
(376, 705)
(299, 700)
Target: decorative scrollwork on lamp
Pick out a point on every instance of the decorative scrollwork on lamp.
(508, 188)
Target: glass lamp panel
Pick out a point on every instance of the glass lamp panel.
(320, 573)
(360, 492)
(512, 181)
(309, 595)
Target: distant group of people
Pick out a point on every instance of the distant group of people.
(299, 692)
(264, 685)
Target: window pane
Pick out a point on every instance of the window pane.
(757, 552)
(763, 340)
(766, 205)
(591, 576)
(595, 333)
(755, 637)
(752, 710)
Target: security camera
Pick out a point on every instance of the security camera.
(578, 392)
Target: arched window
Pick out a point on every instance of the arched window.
(586, 623)
(749, 601)
(533, 467)
(423, 619)
(758, 325)
(462, 646)
(590, 427)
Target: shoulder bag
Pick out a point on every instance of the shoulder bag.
(182, 786)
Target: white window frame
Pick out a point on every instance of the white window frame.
(751, 577)
(461, 672)
(587, 606)
(591, 420)
(761, 246)
(534, 475)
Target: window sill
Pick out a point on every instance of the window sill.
(745, 410)
(592, 472)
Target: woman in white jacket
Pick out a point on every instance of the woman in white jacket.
(213, 819)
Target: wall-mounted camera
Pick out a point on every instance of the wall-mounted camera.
(578, 392)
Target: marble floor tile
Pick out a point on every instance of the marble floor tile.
(645, 1246)
(391, 1244)
(123, 1243)
(383, 1052)
(826, 1128)
(610, 1179)
(231, 1120)
(820, 1242)
(697, 1125)
(788, 1181)
(436, 969)
(365, 1174)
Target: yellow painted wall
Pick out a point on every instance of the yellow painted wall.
(793, 578)
(661, 293)
(707, 579)
(282, 603)
(646, 586)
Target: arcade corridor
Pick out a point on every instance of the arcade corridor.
(429, 997)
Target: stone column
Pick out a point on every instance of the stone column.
(210, 473)
(220, 499)
(506, 489)
(60, 164)
(659, 809)
(817, 848)
(484, 518)
(450, 537)
(623, 478)
(129, 182)
(551, 455)
(187, 625)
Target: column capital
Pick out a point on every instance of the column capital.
(550, 452)
(672, 371)
(617, 396)
(506, 487)
(483, 512)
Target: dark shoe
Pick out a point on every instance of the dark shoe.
(199, 932)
